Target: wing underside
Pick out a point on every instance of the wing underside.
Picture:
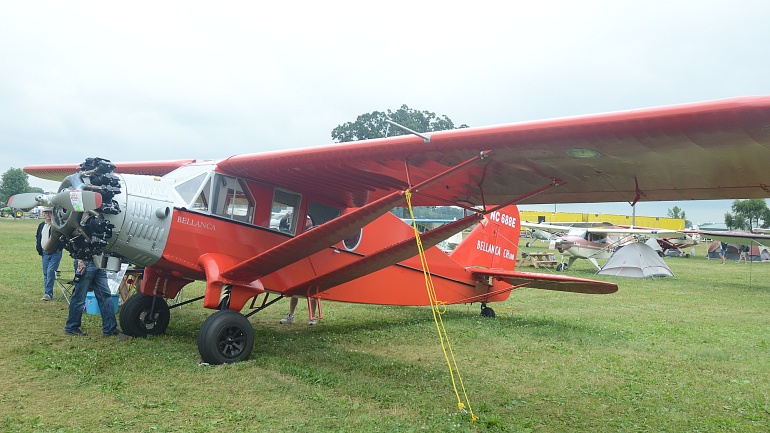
(667, 153)
(737, 237)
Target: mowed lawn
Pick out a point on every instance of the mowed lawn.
(683, 354)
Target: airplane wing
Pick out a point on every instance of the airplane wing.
(624, 156)
(742, 238)
(559, 283)
(630, 231)
(58, 172)
(601, 228)
(550, 228)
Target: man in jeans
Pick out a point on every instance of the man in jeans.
(95, 279)
(50, 260)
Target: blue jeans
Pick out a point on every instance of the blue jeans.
(50, 265)
(95, 279)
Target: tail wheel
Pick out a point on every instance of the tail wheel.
(528, 244)
(225, 337)
(143, 315)
(561, 267)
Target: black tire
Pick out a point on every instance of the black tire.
(528, 244)
(139, 318)
(561, 267)
(225, 337)
(487, 312)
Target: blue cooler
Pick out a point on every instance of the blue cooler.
(92, 305)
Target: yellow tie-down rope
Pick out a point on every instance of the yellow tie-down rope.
(438, 308)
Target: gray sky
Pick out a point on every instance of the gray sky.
(169, 80)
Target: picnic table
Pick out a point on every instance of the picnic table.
(538, 260)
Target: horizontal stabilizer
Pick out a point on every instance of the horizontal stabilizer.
(561, 283)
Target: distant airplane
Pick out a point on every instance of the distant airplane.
(673, 246)
(591, 243)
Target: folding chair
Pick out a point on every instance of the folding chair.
(65, 283)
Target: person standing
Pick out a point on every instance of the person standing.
(50, 260)
(723, 251)
(744, 250)
(89, 277)
(293, 305)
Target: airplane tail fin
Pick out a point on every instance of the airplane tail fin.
(494, 242)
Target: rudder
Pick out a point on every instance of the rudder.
(493, 243)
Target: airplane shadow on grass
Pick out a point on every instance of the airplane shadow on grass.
(402, 325)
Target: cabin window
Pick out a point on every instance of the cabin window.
(320, 213)
(285, 207)
(201, 203)
(231, 199)
(189, 188)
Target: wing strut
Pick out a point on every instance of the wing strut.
(328, 234)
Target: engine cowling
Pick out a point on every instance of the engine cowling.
(131, 225)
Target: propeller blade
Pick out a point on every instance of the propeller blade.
(24, 201)
(77, 201)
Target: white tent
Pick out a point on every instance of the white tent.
(636, 260)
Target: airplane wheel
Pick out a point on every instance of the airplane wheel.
(528, 244)
(487, 312)
(225, 337)
(561, 267)
(138, 318)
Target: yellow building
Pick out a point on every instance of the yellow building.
(619, 220)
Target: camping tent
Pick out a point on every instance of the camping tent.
(636, 260)
(757, 253)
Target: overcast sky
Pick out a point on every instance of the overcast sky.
(170, 80)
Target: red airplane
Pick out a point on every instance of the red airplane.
(315, 222)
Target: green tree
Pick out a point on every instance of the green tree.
(677, 212)
(14, 181)
(373, 125)
(748, 214)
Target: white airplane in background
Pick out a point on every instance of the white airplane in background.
(540, 235)
(592, 243)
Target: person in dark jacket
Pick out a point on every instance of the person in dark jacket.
(50, 260)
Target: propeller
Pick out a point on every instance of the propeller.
(72, 200)
(24, 201)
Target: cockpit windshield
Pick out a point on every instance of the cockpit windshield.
(192, 185)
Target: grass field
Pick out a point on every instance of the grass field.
(687, 354)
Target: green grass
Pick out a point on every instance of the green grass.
(687, 354)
